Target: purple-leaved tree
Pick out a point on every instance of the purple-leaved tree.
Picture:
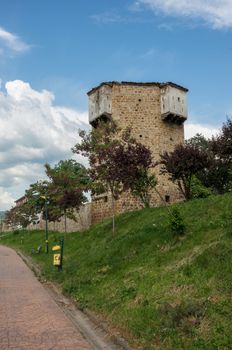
(117, 162)
(182, 164)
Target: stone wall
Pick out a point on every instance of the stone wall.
(83, 222)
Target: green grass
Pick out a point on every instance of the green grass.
(157, 291)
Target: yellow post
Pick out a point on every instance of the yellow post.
(56, 256)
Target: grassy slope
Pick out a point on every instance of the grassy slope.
(158, 292)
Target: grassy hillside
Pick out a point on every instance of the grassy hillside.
(159, 292)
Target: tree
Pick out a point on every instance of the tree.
(37, 199)
(182, 164)
(20, 216)
(60, 195)
(198, 141)
(221, 145)
(67, 182)
(17, 217)
(220, 173)
(217, 175)
(141, 186)
(176, 222)
(134, 161)
(24, 214)
(117, 162)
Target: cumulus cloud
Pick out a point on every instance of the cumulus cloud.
(12, 42)
(206, 130)
(217, 13)
(33, 131)
(6, 200)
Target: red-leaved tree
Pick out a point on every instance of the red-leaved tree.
(117, 162)
(182, 164)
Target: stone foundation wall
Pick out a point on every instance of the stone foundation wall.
(101, 207)
(83, 222)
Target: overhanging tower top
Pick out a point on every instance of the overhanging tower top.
(171, 97)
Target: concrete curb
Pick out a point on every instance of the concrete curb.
(88, 324)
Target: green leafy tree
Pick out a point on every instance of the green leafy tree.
(141, 186)
(20, 216)
(24, 214)
(221, 145)
(176, 222)
(199, 141)
(59, 196)
(37, 198)
(68, 180)
(198, 190)
(218, 174)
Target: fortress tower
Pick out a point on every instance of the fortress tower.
(156, 113)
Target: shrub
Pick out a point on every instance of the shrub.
(176, 222)
(198, 190)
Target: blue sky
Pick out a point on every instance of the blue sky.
(53, 52)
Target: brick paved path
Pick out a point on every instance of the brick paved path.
(29, 318)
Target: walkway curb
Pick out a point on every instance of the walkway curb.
(88, 324)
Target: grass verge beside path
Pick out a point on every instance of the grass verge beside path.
(159, 292)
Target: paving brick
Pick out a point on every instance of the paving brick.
(29, 318)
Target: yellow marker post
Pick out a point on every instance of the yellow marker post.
(57, 259)
(58, 250)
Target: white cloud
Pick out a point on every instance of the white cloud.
(217, 13)
(6, 200)
(33, 131)
(107, 17)
(13, 175)
(191, 129)
(11, 41)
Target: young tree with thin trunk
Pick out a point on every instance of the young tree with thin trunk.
(117, 163)
(68, 180)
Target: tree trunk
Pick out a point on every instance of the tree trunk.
(65, 222)
(113, 213)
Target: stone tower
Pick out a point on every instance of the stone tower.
(156, 113)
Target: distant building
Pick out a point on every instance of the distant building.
(21, 201)
(156, 112)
